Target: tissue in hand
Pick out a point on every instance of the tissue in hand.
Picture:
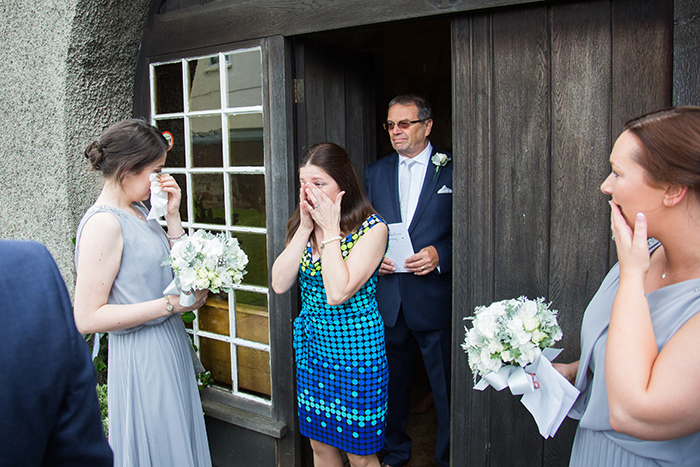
(159, 199)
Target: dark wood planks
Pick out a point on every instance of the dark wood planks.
(473, 226)
(686, 52)
(279, 150)
(642, 58)
(540, 94)
(338, 102)
(186, 27)
(581, 98)
(521, 93)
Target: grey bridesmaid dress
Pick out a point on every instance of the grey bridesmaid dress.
(155, 412)
(596, 444)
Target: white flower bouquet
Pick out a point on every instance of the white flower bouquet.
(512, 338)
(205, 261)
(509, 333)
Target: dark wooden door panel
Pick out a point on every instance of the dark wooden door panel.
(546, 91)
(335, 100)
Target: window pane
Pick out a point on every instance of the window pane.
(181, 180)
(244, 78)
(205, 89)
(254, 371)
(223, 111)
(248, 199)
(176, 127)
(168, 80)
(252, 321)
(255, 247)
(216, 357)
(246, 140)
(206, 142)
(208, 191)
(214, 317)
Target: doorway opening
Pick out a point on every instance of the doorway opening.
(403, 57)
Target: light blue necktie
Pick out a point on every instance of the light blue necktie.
(405, 193)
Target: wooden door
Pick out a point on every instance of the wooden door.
(540, 95)
(334, 100)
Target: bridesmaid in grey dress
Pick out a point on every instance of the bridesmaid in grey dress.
(639, 371)
(155, 413)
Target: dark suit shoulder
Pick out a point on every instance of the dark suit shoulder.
(22, 251)
(383, 162)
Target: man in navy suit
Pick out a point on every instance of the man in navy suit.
(414, 186)
(49, 413)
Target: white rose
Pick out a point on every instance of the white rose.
(210, 262)
(178, 249)
(215, 281)
(473, 339)
(495, 346)
(507, 356)
(213, 248)
(528, 314)
(187, 279)
(528, 354)
(487, 363)
(440, 159)
(519, 335)
(486, 325)
(530, 323)
(537, 336)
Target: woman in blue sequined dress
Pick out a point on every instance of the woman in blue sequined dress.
(335, 243)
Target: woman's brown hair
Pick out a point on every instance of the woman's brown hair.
(670, 146)
(126, 147)
(355, 207)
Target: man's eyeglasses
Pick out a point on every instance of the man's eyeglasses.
(403, 124)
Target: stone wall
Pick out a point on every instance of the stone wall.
(68, 71)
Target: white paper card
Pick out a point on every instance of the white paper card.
(400, 246)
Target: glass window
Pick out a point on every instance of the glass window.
(245, 139)
(204, 84)
(215, 116)
(243, 72)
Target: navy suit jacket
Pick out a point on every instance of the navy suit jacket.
(49, 413)
(426, 300)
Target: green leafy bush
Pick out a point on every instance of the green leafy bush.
(102, 397)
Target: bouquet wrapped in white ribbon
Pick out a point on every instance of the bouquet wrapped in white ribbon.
(506, 343)
(205, 261)
(509, 332)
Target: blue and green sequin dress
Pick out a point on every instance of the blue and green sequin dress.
(342, 373)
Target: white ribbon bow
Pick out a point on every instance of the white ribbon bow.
(187, 297)
(549, 404)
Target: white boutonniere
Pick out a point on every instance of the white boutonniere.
(439, 159)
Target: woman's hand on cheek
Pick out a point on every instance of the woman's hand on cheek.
(632, 246)
(170, 186)
(305, 222)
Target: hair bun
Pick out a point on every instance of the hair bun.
(94, 152)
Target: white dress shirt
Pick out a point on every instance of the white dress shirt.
(417, 174)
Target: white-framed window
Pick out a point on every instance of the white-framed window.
(215, 115)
